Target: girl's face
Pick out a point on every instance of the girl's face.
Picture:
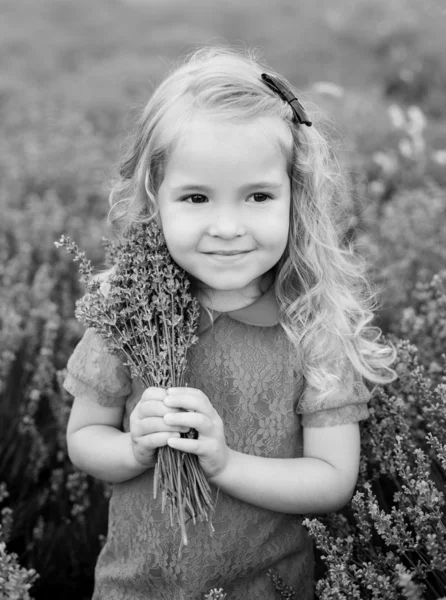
(224, 204)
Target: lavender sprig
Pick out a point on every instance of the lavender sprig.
(145, 311)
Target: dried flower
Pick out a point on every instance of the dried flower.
(286, 592)
(15, 580)
(215, 594)
(147, 315)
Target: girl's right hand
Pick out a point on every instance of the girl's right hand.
(148, 431)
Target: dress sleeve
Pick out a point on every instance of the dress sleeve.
(97, 374)
(348, 404)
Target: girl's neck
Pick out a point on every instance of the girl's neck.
(225, 301)
(229, 300)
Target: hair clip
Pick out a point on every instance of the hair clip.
(277, 86)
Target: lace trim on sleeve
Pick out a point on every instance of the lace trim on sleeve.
(95, 373)
(346, 405)
(340, 415)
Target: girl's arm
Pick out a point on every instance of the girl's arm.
(322, 481)
(98, 446)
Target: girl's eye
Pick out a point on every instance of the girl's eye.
(261, 197)
(195, 199)
(200, 199)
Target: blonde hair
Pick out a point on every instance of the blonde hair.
(326, 304)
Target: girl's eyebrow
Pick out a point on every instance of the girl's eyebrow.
(265, 185)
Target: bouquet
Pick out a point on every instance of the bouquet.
(147, 315)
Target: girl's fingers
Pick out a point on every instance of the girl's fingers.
(189, 420)
(157, 440)
(153, 409)
(155, 425)
(184, 444)
(189, 399)
(153, 393)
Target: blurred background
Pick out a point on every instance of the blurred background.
(73, 78)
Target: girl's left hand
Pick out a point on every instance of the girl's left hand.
(210, 446)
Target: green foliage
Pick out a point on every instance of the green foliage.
(412, 76)
(423, 322)
(57, 512)
(391, 541)
(15, 581)
(393, 535)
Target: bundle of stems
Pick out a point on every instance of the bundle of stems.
(144, 309)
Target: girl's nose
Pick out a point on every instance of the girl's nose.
(227, 223)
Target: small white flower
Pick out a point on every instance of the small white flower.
(328, 88)
(387, 162)
(407, 75)
(417, 119)
(376, 189)
(406, 148)
(34, 395)
(397, 116)
(439, 156)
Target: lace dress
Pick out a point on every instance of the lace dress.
(246, 366)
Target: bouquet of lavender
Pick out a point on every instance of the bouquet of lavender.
(146, 313)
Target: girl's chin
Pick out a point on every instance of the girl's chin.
(230, 284)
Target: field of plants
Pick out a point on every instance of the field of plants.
(73, 77)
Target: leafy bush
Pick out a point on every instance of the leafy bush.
(58, 512)
(390, 543)
(15, 581)
(423, 322)
(411, 77)
(405, 248)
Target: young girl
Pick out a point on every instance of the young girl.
(246, 191)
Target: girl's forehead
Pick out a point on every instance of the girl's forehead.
(204, 137)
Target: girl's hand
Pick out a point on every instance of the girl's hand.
(210, 446)
(148, 430)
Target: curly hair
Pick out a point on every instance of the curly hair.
(326, 303)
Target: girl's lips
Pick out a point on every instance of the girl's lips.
(227, 257)
(229, 252)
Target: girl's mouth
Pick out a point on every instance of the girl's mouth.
(228, 256)
(229, 252)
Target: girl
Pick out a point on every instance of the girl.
(244, 188)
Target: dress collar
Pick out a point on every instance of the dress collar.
(264, 312)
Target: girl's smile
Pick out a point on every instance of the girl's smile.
(228, 256)
(224, 204)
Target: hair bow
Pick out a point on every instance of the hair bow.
(281, 89)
